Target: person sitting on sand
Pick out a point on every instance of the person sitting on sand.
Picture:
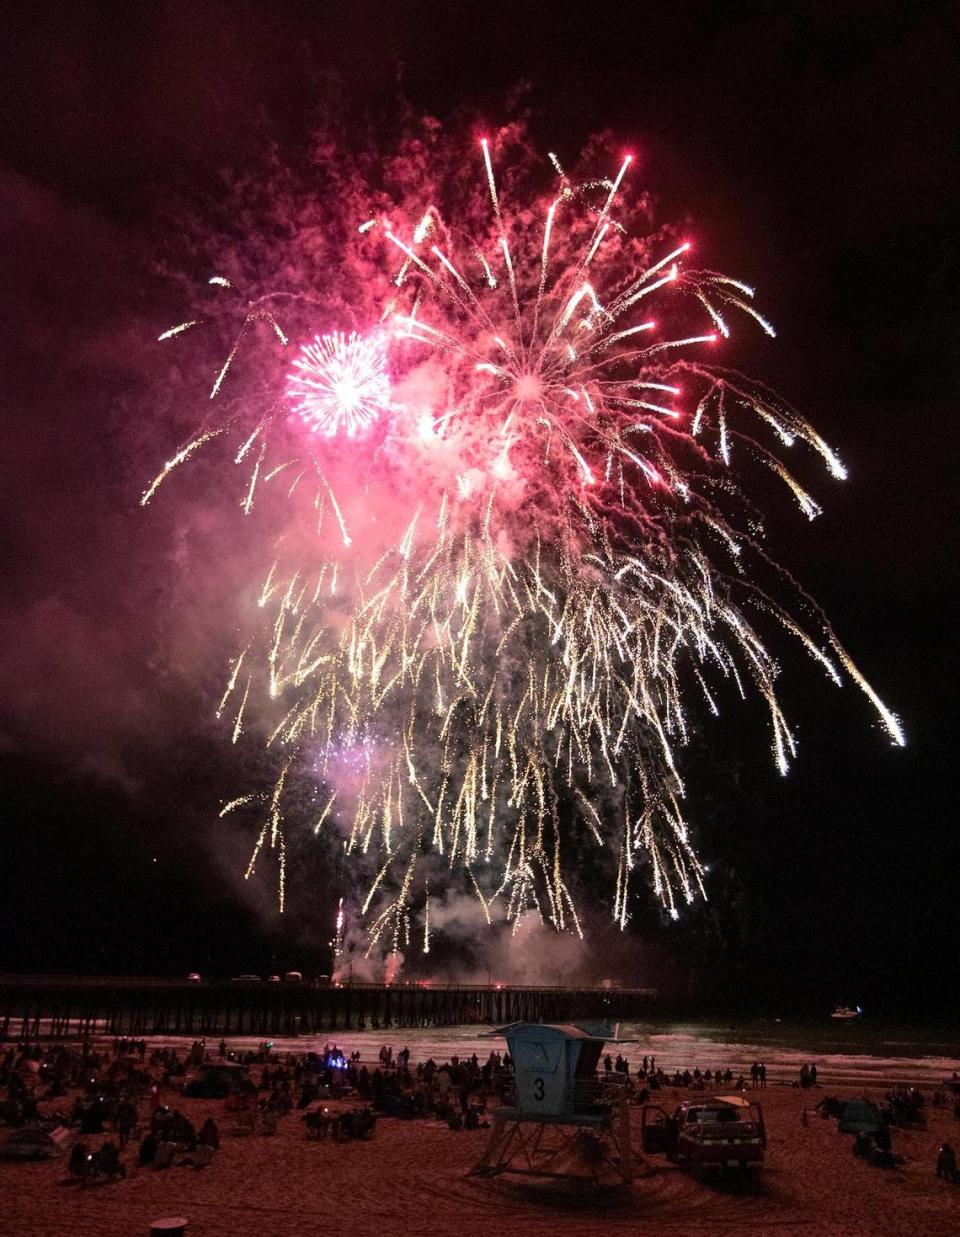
(209, 1135)
(148, 1150)
(947, 1163)
(883, 1159)
(183, 1130)
(202, 1157)
(80, 1153)
(164, 1156)
(107, 1160)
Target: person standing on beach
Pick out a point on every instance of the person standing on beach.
(813, 1075)
(124, 1122)
(763, 1074)
(947, 1163)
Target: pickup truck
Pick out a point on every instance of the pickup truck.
(714, 1131)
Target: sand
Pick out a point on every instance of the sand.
(412, 1179)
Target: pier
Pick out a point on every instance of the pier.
(61, 1007)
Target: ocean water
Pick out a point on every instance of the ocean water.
(858, 1053)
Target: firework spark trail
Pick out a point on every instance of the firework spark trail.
(521, 671)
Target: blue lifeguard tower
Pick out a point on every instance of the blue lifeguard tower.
(561, 1125)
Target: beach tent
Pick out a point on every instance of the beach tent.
(859, 1116)
(216, 1080)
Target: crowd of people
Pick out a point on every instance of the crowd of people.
(104, 1091)
(455, 1091)
(119, 1092)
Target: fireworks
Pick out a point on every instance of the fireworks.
(340, 383)
(519, 563)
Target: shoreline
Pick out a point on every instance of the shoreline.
(869, 1071)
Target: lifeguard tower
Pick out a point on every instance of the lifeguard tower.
(561, 1125)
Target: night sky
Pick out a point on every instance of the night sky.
(810, 146)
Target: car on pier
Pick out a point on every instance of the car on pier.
(715, 1131)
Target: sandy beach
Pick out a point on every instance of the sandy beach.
(412, 1179)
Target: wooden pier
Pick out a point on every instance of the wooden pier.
(61, 1007)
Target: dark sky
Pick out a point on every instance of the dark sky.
(810, 144)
